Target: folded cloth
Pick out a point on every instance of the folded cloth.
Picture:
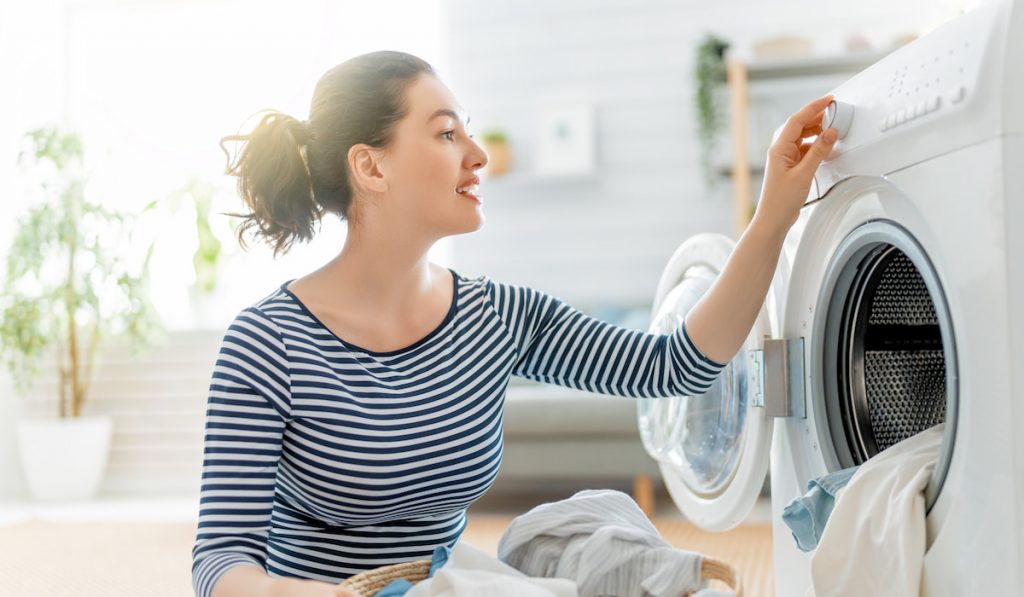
(603, 541)
(806, 515)
(874, 542)
(465, 571)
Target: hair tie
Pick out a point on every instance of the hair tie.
(302, 131)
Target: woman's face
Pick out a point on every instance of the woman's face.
(433, 155)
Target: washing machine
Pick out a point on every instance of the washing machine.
(898, 303)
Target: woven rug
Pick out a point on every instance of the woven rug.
(131, 559)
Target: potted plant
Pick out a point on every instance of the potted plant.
(495, 142)
(208, 256)
(67, 288)
(709, 71)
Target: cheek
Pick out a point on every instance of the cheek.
(424, 189)
(426, 166)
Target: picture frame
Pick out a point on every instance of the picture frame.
(566, 140)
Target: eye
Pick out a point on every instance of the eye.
(452, 132)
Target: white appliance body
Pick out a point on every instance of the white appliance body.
(930, 173)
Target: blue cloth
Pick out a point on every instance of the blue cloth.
(807, 515)
(400, 586)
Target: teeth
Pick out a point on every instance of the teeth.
(470, 189)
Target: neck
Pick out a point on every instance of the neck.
(382, 273)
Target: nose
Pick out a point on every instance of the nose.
(477, 156)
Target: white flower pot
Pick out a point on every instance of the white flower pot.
(64, 458)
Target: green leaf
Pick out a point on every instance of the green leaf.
(710, 73)
(65, 268)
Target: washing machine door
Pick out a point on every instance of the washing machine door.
(713, 449)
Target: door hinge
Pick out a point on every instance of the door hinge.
(775, 377)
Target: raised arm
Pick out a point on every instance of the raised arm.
(721, 320)
(558, 344)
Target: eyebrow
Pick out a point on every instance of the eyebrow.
(446, 112)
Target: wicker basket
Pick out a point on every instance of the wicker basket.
(366, 584)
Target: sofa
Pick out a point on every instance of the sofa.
(558, 437)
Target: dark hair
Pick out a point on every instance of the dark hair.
(290, 172)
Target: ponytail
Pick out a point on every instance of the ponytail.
(291, 172)
(274, 181)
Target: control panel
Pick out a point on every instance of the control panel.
(912, 84)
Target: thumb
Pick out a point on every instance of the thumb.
(818, 152)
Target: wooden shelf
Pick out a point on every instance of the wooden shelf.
(785, 68)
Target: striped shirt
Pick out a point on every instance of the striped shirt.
(323, 459)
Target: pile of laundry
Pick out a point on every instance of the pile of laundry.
(866, 524)
(597, 542)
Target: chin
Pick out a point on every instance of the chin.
(476, 224)
(467, 226)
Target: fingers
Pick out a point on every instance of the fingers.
(815, 127)
(811, 131)
(803, 119)
(817, 152)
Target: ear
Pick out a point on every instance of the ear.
(366, 165)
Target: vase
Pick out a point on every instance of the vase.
(64, 459)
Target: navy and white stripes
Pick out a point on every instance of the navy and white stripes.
(323, 459)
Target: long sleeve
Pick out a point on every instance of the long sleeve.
(248, 406)
(558, 344)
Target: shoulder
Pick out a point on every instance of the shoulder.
(508, 297)
(486, 288)
(254, 331)
(259, 322)
(470, 282)
(274, 301)
(480, 281)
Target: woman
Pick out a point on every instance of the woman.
(355, 413)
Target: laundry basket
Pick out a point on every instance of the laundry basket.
(366, 584)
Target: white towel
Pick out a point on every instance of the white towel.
(470, 572)
(874, 541)
(603, 541)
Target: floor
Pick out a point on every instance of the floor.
(117, 547)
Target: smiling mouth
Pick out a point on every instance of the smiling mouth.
(470, 192)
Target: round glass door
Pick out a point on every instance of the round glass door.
(712, 449)
(701, 436)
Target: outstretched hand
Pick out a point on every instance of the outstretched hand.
(792, 161)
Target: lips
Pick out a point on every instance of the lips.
(469, 193)
(468, 188)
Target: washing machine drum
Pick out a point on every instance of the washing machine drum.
(892, 381)
(889, 354)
